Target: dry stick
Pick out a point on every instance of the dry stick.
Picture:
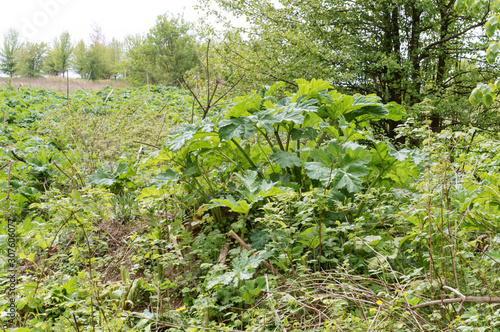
(207, 75)
(247, 247)
(76, 323)
(8, 184)
(468, 299)
(176, 246)
(67, 85)
(230, 89)
(7, 164)
(223, 254)
(109, 94)
(458, 293)
(17, 157)
(62, 171)
(148, 144)
(182, 81)
(139, 153)
(278, 320)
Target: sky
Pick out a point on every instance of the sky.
(43, 20)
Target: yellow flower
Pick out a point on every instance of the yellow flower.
(405, 293)
(372, 309)
(180, 309)
(379, 302)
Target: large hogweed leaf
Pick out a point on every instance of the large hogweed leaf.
(253, 190)
(236, 128)
(285, 159)
(392, 165)
(340, 165)
(243, 269)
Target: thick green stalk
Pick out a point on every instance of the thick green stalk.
(288, 135)
(247, 157)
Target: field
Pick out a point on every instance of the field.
(59, 84)
(285, 210)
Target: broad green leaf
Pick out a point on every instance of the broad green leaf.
(265, 119)
(304, 133)
(192, 168)
(372, 240)
(285, 159)
(460, 6)
(102, 178)
(348, 180)
(166, 177)
(374, 110)
(339, 107)
(488, 99)
(476, 97)
(177, 140)
(491, 26)
(245, 106)
(318, 171)
(340, 166)
(272, 89)
(312, 87)
(291, 113)
(396, 111)
(235, 206)
(236, 128)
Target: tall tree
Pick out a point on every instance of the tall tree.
(115, 55)
(165, 54)
(93, 61)
(399, 49)
(78, 59)
(96, 56)
(58, 58)
(8, 53)
(31, 59)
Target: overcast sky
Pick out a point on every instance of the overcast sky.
(43, 20)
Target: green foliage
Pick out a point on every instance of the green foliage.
(400, 50)
(123, 200)
(9, 52)
(58, 58)
(31, 59)
(164, 55)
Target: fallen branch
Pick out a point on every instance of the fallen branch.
(17, 157)
(468, 299)
(149, 144)
(223, 254)
(247, 247)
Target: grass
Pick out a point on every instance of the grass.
(59, 84)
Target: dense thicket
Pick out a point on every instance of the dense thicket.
(283, 209)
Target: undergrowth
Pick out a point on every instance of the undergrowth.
(282, 211)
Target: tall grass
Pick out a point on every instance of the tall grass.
(58, 84)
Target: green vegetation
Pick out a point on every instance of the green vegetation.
(224, 193)
(124, 201)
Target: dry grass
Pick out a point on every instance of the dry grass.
(58, 84)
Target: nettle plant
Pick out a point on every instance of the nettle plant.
(271, 141)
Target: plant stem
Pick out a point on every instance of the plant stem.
(247, 157)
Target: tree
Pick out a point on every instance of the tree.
(31, 59)
(92, 62)
(484, 93)
(165, 54)
(115, 57)
(58, 59)
(78, 60)
(401, 50)
(8, 53)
